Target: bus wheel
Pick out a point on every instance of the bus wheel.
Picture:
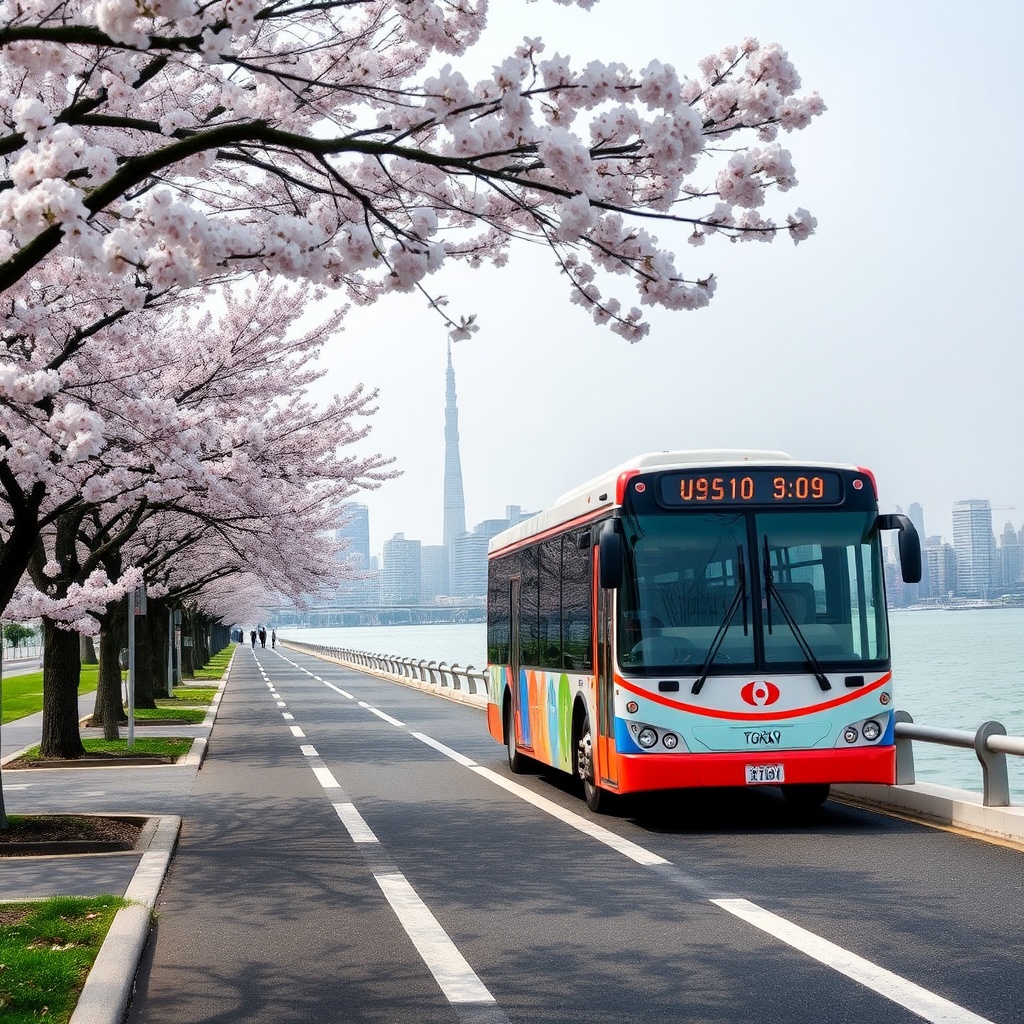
(806, 797)
(516, 761)
(597, 799)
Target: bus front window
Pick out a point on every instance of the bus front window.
(682, 578)
(827, 569)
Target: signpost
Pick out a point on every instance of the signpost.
(136, 606)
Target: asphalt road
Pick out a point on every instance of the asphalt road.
(356, 850)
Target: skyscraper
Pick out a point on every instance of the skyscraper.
(975, 546)
(454, 499)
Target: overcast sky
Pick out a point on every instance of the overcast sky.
(891, 339)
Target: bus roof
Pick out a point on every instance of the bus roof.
(600, 492)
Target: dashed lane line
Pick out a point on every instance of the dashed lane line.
(925, 1004)
(457, 980)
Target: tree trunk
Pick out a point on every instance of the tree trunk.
(87, 651)
(109, 708)
(144, 689)
(62, 670)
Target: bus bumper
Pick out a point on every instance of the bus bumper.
(643, 772)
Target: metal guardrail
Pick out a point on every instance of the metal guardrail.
(989, 742)
(435, 673)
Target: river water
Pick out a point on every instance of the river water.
(954, 669)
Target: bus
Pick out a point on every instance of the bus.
(699, 619)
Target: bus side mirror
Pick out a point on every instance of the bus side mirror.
(609, 554)
(909, 545)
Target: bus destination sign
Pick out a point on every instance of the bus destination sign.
(751, 487)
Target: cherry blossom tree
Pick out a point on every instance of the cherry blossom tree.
(149, 150)
(209, 443)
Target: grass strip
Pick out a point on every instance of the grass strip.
(216, 666)
(146, 746)
(188, 695)
(23, 695)
(163, 713)
(47, 950)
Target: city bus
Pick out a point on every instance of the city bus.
(699, 619)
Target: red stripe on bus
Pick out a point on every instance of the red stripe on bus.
(745, 716)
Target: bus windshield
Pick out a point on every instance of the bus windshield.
(696, 597)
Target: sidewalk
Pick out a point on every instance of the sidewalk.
(157, 793)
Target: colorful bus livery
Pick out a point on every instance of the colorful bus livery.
(699, 619)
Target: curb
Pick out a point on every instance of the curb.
(109, 986)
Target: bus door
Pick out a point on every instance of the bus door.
(520, 724)
(607, 768)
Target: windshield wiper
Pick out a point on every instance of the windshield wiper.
(740, 597)
(771, 590)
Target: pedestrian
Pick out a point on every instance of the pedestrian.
(273, 638)
(263, 637)
(252, 637)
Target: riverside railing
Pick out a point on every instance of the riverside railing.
(989, 741)
(434, 673)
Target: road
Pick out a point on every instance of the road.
(358, 850)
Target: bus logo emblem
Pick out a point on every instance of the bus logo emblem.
(760, 693)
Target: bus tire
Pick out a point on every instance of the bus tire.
(806, 797)
(597, 799)
(516, 761)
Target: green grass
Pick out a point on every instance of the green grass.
(174, 714)
(188, 695)
(162, 746)
(216, 666)
(46, 952)
(23, 695)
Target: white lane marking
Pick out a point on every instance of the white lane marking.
(447, 751)
(281, 704)
(915, 998)
(297, 731)
(309, 750)
(449, 967)
(287, 716)
(338, 689)
(356, 825)
(324, 776)
(578, 822)
(387, 718)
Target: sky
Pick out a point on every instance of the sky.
(892, 339)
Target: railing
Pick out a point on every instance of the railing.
(989, 742)
(435, 673)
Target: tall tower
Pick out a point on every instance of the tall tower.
(454, 499)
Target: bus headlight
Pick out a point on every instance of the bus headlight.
(850, 734)
(647, 737)
(871, 730)
(670, 740)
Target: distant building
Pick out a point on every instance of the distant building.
(355, 532)
(400, 580)
(975, 547)
(939, 564)
(454, 498)
(433, 572)
(1011, 559)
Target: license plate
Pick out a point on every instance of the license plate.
(765, 774)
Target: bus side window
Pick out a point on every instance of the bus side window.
(577, 640)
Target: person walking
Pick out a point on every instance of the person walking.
(273, 638)
(263, 637)
(252, 637)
